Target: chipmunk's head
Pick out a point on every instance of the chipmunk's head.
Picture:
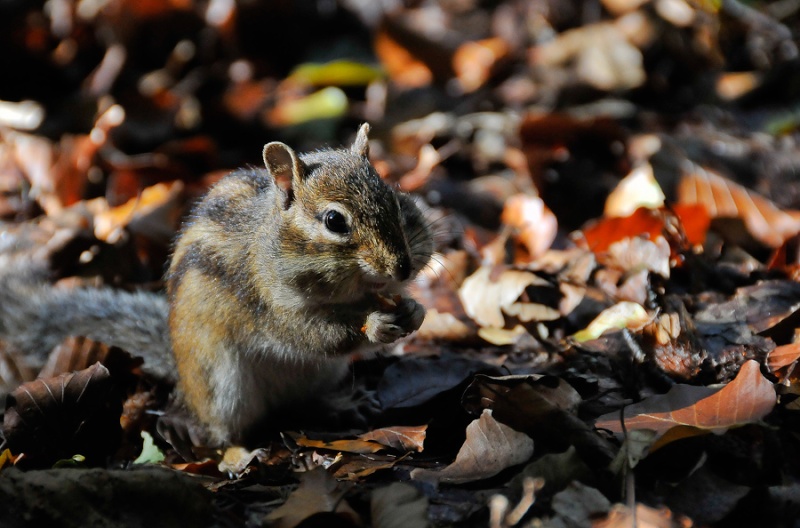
(345, 232)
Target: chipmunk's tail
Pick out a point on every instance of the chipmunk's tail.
(36, 316)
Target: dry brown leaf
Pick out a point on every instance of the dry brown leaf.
(783, 356)
(733, 85)
(348, 446)
(604, 57)
(399, 437)
(54, 418)
(490, 448)
(632, 255)
(534, 224)
(724, 198)
(404, 69)
(475, 61)
(160, 200)
(75, 353)
(484, 299)
(621, 516)
(746, 399)
(443, 325)
(318, 492)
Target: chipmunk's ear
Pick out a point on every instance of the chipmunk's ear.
(286, 169)
(361, 144)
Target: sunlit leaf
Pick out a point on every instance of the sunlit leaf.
(535, 225)
(399, 437)
(638, 189)
(330, 102)
(336, 73)
(746, 399)
(484, 297)
(724, 198)
(625, 314)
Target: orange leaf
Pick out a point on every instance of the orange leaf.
(693, 218)
(748, 398)
(535, 224)
(783, 355)
(724, 198)
(348, 446)
(400, 437)
(159, 199)
(404, 69)
(474, 62)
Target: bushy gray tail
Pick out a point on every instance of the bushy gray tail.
(36, 316)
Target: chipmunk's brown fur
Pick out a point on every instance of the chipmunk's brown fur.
(279, 273)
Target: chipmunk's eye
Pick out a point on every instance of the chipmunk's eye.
(335, 222)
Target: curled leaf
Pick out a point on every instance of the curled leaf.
(625, 314)
(484, 298)
(490, 448)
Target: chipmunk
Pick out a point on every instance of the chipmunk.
(277, 276)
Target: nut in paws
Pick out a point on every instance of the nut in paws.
(389, 326)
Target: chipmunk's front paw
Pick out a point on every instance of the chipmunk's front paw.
(396, 322)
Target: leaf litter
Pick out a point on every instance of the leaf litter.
(634, 159)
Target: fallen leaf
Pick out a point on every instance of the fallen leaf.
(318, 493)
(404, 69)
(760, 306)
(157, 205)
(733, 85)
(354, 445)
(475, 61)
(693, 220)
(725, 198)
(624, 314)
(399, 505)
(490, 448)
(604, 58)
(54, 418)
(632, 255)
(443, 325)
(399, 437)
(534, 224)
(620, 516)
(335, 73)
(484, 298)
(746, 399)
(783, 356)
(638, 189)
(501, 336)
(330, 102)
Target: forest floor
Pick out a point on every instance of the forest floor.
(612, 309)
